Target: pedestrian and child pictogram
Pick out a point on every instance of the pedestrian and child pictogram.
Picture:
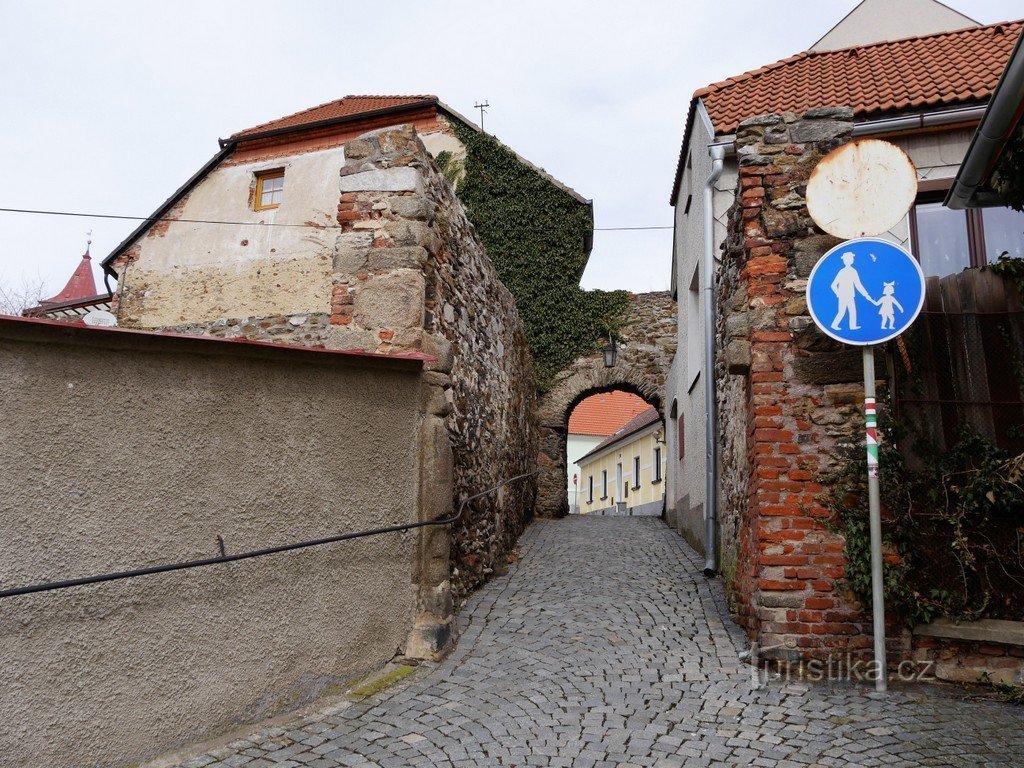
(865, 291)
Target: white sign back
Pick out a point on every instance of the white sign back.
(861, 189)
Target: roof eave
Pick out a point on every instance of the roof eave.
(1003, 114)
(332, 121)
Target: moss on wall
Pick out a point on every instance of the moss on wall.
(535, 234)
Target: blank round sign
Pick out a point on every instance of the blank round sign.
(862, 189)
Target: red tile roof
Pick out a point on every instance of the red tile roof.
(945, 69)
(82, 284)
(349, 106)
(605, 414)
(638, 422)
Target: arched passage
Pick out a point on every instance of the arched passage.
(648, 342)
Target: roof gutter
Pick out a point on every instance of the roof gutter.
(997, 125)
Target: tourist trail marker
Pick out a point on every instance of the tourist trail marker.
(865, 291)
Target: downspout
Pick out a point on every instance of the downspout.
(717, 153)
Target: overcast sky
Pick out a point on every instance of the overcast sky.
(110, 106)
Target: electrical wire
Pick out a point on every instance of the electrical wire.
(159, 219)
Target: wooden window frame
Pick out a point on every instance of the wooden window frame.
(261, 176)
(590, 489)
(636, 473)
(604, 484)
(657, 465)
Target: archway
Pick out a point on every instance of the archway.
(648, 343)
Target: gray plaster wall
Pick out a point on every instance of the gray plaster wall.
(686, 474)
(138, 450)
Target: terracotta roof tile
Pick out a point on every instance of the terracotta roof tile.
(81, 285)
(604, 414)
(638, 422)
(349, 106)
(947, 69)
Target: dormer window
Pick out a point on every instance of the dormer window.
(269, 189)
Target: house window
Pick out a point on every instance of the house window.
(657, 464)
(269, 189)
(590, 489)
(636, 472)
(604, 484)
(947, 242)
(682, 435)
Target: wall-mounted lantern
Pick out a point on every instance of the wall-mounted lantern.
(611, 352)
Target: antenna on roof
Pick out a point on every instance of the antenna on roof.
(482, 106)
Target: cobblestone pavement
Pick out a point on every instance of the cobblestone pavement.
(606, 646)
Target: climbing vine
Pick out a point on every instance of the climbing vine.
(535, 234)
(953, 530)
(1011, 268)
(1009, 173)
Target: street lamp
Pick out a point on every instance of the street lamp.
(611, 352)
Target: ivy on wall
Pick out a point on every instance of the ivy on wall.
(534, 233)
(953, 529)
(1009, 173)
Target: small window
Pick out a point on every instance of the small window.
(636, 472)
(604, 484)
(682, 435)
(269, 189)
(590, 489)
(657, 464)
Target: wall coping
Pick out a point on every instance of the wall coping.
(39, 330)
(984, 630)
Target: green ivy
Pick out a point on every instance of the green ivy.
(1011, 268)
(955, 525)
(1009, 173)
(534, 233)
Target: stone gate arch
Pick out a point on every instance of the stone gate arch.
(646, 348)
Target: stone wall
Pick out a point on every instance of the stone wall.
(646, 346)
(405, 272)
(789, 397)
(122, 450)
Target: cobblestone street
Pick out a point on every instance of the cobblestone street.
(606, 646)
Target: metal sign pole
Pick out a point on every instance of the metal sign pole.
(875, 515)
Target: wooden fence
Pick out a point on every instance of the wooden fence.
(962, 363)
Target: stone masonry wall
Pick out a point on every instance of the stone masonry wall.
(411, 273)
(789, 399)
(647, 343)
(407, 274)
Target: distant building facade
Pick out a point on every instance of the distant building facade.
(593, 420)
(625, 473)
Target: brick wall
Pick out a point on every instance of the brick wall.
(790, 399)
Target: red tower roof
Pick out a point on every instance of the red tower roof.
(82, 284)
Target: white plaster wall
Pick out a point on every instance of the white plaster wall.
(577, 446)
(687, 476)
(201, 272)
(876, 20)
(936, 156)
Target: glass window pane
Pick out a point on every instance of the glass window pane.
(267, 198)
(1004, 231)
(275, 183)
(942, 240)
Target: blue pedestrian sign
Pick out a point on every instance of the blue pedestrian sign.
(865, 291)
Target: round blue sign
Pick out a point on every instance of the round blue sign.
(865, 291)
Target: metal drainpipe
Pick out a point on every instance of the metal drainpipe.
(717, 153)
